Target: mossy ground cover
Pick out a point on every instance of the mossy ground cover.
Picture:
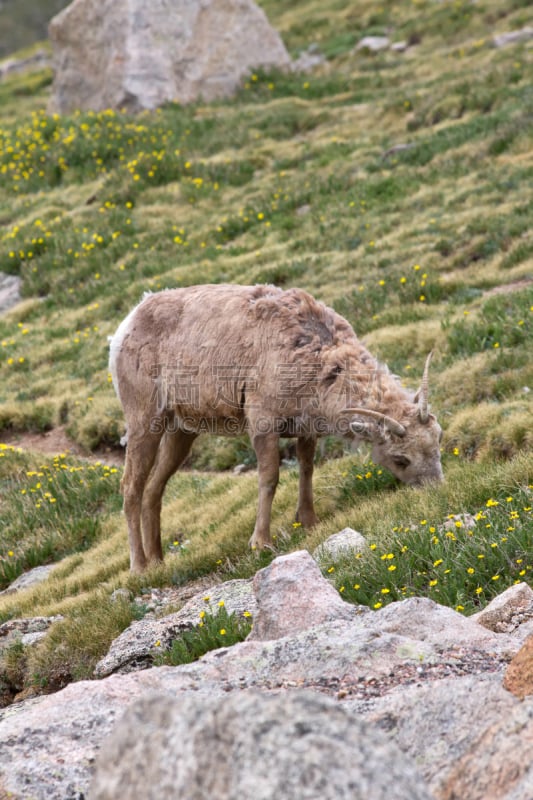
(393, 186)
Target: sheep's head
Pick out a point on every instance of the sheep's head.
(409, 449)
(414, 456)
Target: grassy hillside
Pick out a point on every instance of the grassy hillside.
(393, 186)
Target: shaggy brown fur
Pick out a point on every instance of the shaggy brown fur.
(227, 359)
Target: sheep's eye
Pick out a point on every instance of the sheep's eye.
(333, 374)
(401, 461)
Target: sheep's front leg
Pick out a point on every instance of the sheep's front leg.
(267, 451)
(305, 451)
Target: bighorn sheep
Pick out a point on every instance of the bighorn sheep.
(227, 359)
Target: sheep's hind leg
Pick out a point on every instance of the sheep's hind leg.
(173, 450)
(140, 456)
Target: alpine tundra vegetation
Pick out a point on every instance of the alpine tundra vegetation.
(391, 186)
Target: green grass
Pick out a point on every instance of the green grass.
(298, 180)
(503, 321)
(59, 506)
(212, 631)
(462, 562)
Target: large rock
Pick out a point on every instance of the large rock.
(292, 595)
(499, 764)
(48, 744)
(411, 667)
(471, 739)
(250, 745)
(425, 620)
(136, 55)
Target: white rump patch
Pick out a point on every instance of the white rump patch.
(115, 342)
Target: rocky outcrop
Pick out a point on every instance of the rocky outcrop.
(250, 745)
(292, 597)
(509, 612)
(135, 55)
(424, 676)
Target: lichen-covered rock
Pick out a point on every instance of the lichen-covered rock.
(428, 621)
(136, 55)
(470, 738)
(245, 745)
(18, 628)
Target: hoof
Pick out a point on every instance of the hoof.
(258, 543)
(307, 520)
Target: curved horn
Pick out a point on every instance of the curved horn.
(423, 392)
(392, 424)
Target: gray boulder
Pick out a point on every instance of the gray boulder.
(248, 745)
(345, 544)
(136, 55)
(9, 291)
(425, 620)
(471, 739)
(30, 578)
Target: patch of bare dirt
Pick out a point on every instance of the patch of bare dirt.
(57, 441)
